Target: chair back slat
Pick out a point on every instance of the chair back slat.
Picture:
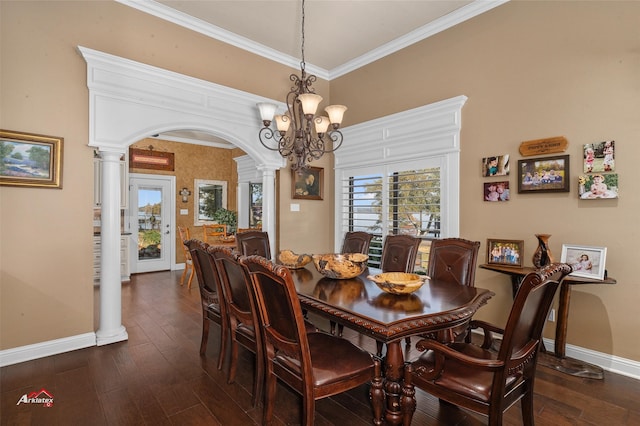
(254, 243)
(356, 242)
(279, 306)
(399, 253)
(453, 260)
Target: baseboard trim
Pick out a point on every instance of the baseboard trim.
(48, 348)
(612, 363)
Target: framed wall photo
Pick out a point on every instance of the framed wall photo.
(496, 191)
(497, 165)
(599, 157)
(308, 185)
(30, 160)
(505, 252)
(598, 186)
(587, 261)
(549, 174)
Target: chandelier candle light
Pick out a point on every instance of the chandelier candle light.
(301, 135)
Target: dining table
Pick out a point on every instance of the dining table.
(361, 305)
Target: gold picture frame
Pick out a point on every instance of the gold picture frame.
(30, 160)
(308, 185)
(505, 252)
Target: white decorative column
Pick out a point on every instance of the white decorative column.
(269, 204)
(243, 198)
(111, 329)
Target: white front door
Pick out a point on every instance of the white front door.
(151, 221)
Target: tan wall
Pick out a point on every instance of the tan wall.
(534, 70)
(530, 70)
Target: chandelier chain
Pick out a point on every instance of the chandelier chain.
(302, 62)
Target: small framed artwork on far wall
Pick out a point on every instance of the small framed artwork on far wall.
(307, 185)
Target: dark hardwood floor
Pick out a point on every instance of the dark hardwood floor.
(158, 378)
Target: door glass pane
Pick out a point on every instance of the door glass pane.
(149, 223)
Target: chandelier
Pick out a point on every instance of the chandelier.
(302, 136)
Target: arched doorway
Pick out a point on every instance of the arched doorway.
(129, 101)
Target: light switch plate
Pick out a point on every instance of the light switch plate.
(295, 207)
(184, 212)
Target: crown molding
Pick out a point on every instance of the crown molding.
(168, 14)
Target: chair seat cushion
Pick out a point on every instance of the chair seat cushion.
(325, 349)
(463, 379)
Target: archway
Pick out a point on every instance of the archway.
(129, 101)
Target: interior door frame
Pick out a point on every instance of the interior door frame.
(133, 240)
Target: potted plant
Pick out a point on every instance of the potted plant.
(226, 217)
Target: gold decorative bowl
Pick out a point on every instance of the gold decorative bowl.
(340, 266)
(398, 282)
(292, 260)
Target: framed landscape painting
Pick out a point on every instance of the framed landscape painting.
(30, 160)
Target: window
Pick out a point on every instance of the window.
(210, 196)
(396, 202)
(401, 174)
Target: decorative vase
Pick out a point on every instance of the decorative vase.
(542, 256)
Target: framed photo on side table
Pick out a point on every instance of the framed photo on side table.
(587, 262)
(505, 252)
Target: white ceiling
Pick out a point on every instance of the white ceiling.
(340, 35)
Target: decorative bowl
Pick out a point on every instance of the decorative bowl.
(340, 266)
(292, 260)
(398, 282)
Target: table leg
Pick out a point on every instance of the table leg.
(558, 361)
(401, 401)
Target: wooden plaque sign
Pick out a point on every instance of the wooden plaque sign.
(544, 146)
(150, 159)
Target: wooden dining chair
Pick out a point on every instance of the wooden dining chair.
(315, 365)
(485, 381)
(185, 236)
(399, 253)
(213, 231)
(244, 326)
(354, 242)
(453, 261)
(211, 296)
(254, 243)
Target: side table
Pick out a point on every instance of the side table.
(558, 360)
